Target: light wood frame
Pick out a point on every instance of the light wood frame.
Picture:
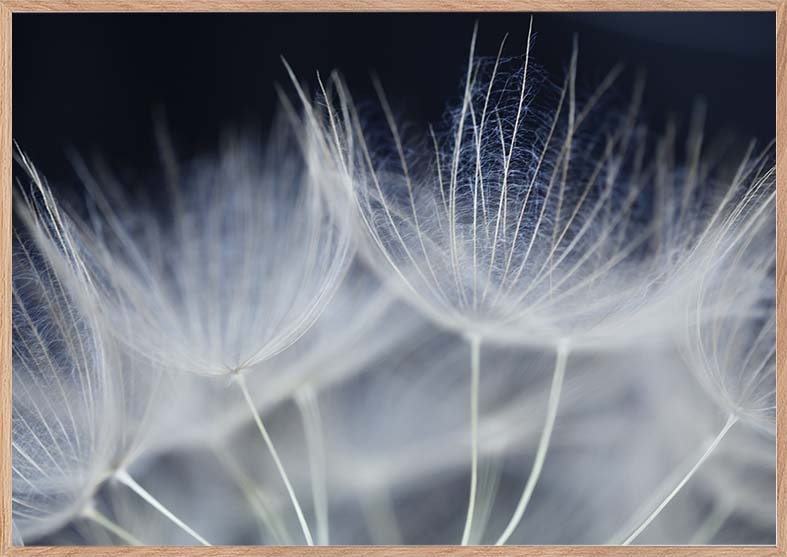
(10, 7)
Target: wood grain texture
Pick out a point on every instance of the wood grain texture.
(386, 5)
(5, 278)
(399, 551)
(781, 276)
(7, 7)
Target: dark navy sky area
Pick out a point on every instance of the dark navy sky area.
(94, 82)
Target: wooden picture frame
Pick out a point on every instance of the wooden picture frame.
(10, 7)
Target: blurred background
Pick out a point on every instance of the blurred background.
(95, 83)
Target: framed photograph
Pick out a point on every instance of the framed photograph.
(392, 278)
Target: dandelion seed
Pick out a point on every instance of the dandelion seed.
(80, 410)
(524, 223)
(731, 320)
(247, 261)
(63, 420)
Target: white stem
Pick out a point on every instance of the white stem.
(475, 374)
(267, 519)
(16, 536)
(380, 517)
(715, 443)
(123, 477)
(488, 483)
(279, 466)
(91, 513)
(711, 525)
(650, 503)
(309, 409)
(543, 444)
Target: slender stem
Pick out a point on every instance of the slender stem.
(475, 374)
(123, 477)
(711, 525)
(380, 517)
(279, 466)
(268, 519)
(715, 443)
(664, 487)
(111, 526)
(309, 409)
(488, 484)
(543, 444)
(16, 536)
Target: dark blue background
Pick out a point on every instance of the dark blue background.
(93, 82)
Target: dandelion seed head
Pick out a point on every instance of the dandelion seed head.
(730, 339)
(521, 220)
(242, 267)
(61, 420)
(80, 409)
